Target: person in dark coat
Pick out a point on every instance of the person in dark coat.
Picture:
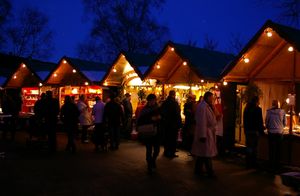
(39, 115)
(113, 115)
(127, 115)
(188, 130)
(253, 126)
(171, 121)
(69, 114)
(51, 111)
(150, 115)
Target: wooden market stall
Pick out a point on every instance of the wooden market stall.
(271, 60)
(187, 69)
(74, 77)
(127, 71)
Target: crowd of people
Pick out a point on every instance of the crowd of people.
(201, 131)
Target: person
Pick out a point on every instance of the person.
(150, 115)
(219, 127)
(85, 118)
(38, 121)
(204, 144)
(275, 123)
(139, 108)
(97, 112)
(253, 126)
(113, 115)
(127, 115)
(171, 121)
(189, 110)
(69, 115)
(51, 111)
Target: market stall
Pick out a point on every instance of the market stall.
(271, 61)
(127, 72)
(187, 69)
(75, 77)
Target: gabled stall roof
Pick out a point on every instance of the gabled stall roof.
(29, 73)
(8, 65)
(128, 66)
(73, 71)
(178, 63)
(268, 55)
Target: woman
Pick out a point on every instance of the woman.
(204, 145)
(150, 115)
(85, 118)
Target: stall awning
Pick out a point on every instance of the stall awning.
(271, 55)
(178, 63)
(126, 67)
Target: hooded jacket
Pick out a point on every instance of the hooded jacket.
(275, 120)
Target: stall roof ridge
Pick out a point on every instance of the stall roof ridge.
(289, 34)
(208, 63)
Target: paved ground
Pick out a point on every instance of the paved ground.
(31, 171)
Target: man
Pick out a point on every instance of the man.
(171, 121)
(189, 123)
(127, 115)
(204, 145)
(275, 122)
(97, 112)
(253, 126)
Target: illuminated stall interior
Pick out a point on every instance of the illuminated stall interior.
(271, 60)
(75, 77)
(188, 69)
(127, 72)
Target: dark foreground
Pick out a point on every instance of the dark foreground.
(32, 171)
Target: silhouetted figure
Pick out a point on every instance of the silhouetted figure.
(39, 120)
(51, 111)
(188, 130)
(171, 121)
(127, 115)
(253, 126)
(204, 145)
(150, 114)
(113, 115)
(98, 136)
(69, 116)
(85, 117)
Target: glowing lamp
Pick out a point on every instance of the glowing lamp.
(202, 81)
(246, 60)
(40, 84)
(157, 66)
(64, 61)
(74, 70)
(15, 77)
(55, 75)
(86, 83)
(23, 65)
(225, 83)
(291, 49)
(269, 34)
(172, 49)
(184, 63)
(114, 70)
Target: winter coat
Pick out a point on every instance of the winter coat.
(253, 121)
(275, 120)
(85, 117)
(205, 128)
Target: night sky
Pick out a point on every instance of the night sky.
(186, 19)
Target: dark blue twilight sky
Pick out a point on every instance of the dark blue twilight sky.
(186, 19)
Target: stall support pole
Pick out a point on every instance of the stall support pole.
(163, 91)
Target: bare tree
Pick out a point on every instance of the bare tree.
(124, 25)
(30, 35)
(5, 10)
(236, 43)
(209, 43)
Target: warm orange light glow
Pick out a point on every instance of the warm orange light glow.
(216, 86)
(23, 65)
(55, 75)
(105, 84)
(86, 83)
(40, 84)
(172, 49)
(202, 81)
(184, 63)
(74, 70)
(225, 83)
(246, 60)
(157, 66)
(64, 61)
(291, 49)
(15, 77)
(114, 70)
